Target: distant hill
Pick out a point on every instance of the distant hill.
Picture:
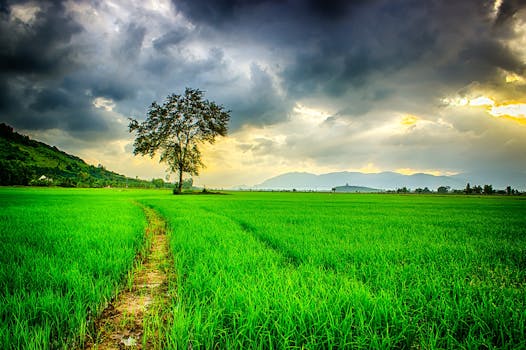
(24, 161)
(387, 181)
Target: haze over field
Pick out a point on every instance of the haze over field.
(407, 86)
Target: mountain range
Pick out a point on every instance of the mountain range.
(389, 181)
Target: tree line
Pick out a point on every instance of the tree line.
(475, 190)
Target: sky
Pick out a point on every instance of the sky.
(410, 86)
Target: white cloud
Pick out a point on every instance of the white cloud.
(104, 103)
(25, 12)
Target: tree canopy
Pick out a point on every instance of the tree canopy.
(175, 130)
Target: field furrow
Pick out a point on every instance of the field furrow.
(136, 318)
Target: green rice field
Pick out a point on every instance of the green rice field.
(271, 270)
(63, 254)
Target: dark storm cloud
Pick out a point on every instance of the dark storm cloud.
(328, 42)
(223, 12)
(381, 41)
(171, 38)
(102, 83)
(81, 123)
(216, 12)
(66, 106)
(34, 55)
(491, 54)
(479, 61)
(347, 51)
(56, 107)
(7, 100)
(332, 10)
(42, 47)
(49, 78)
(131, 41)
(339, 48)
(4, 7)
(508, 9)
(260, 104)
(52, 99)
(441, 45)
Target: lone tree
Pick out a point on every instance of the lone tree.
(177, 128)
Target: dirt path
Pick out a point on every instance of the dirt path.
(136, 318)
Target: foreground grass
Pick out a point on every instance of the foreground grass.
(63, 255)
(271, 270)
(348, 271)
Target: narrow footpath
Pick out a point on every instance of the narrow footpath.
(136, 319)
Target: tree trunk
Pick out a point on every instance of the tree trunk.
(180, 184)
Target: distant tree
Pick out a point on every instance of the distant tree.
(509, 190)
(443, 189)
(84, 176)
(15, 172)
(187, 184)
(402, 190)
(426, 190)
(488, 189)
(67, 182)
(419, 190)
(468, 189)
(177, 128)
(158, 183)
(477, 189)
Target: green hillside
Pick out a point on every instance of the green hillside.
(24, 161)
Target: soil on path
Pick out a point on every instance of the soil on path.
(135, 319)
